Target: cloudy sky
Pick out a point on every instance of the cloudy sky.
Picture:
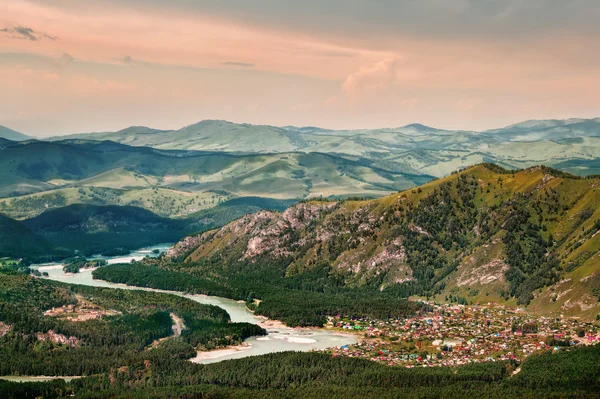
(71, 66)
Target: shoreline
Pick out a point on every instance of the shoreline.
(218, 353)
(37, 378)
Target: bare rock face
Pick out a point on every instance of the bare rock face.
(301, 215)
(485, 274)
(391, 254)
(264, 232)
(4, 329)
(251, 224)
(59, 339)
(547, 177)
(274, 236)
(187, 244)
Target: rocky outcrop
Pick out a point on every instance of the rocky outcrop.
(485, 274)
(4, 329)
(60, 339)
(301, 215)
(264, 232)
(276, 237)
(187, 244)
(393, 253)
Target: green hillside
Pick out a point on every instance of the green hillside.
(88, 229)
(528, 238)
(175, 173)
(43, 175)
(18, 241)
(91, 229)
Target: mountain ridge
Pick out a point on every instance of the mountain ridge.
(13, 135)
(449, 149)
(525, 238)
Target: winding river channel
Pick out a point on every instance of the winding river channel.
(279, 339)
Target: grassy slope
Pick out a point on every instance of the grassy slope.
(44, 168)
(162, 201)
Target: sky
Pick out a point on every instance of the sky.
(70, 66)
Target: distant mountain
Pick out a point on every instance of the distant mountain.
(181, 172)
(552, 129)
(133, 135)
(486, 234)
(13, 135)
(90, 219)
(414, 148)
(421, 128)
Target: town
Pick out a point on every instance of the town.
(452, 335)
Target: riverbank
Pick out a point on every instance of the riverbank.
(281, 338)
(40, 378)
(208, 356)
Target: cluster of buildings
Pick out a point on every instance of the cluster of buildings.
(452, 335)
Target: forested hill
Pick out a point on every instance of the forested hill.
(528, 237)
(87, 229)
(17, 240)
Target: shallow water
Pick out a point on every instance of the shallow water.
(279, 339)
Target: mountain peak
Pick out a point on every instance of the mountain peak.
(420, 127)
(140, 130)
(13, 135)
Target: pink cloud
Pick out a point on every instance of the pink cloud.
(370, 79)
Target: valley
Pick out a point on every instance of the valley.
(280, 338)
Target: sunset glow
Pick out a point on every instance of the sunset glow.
(70, 66)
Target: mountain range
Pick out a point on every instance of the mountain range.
(414, 148)
(174, 173)
(569, 144)
(212, 172)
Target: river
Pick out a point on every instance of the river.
(279, 339)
